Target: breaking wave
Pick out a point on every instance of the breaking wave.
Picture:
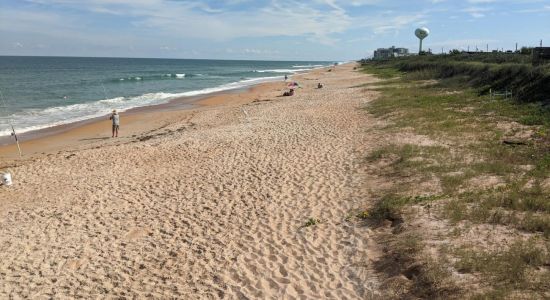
(35, 119)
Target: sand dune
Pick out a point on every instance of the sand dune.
(210, 206)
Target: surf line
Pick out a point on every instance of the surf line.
(10, 121)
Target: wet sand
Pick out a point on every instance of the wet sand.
(134, 122)
(204, 203)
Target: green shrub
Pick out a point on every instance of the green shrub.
(489, 71)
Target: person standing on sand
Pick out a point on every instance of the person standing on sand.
(115, 117)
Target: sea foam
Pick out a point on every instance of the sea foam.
(36, 119)
(289, 71)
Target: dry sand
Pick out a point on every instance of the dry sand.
(208, 205)
(135, 122)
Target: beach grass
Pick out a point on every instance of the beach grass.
(489, 160)
(311, 222)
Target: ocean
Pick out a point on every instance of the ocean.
(41, 92)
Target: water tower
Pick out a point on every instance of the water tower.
(421, 33)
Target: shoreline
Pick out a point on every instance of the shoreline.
(36, 141)
(176, 103)
(135, 121)
(245, 196)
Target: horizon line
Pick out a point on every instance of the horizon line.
(171, 58)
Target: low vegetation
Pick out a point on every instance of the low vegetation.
(470, 173)
(483, 72)
(311, 222)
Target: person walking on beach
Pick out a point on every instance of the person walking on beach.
(115, 117)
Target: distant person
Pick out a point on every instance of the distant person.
(115, 117)
(289, 93)
(319, 85)
(286, 77)
(293, 84)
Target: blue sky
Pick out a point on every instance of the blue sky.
(271, 29)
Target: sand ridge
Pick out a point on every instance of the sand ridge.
(212, 208)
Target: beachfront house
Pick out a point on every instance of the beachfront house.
(387, 53)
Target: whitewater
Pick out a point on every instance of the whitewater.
(43, 92)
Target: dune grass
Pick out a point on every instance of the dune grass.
(491, 158)
(483, 72)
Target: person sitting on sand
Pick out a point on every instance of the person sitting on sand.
(319, 85)
(115, 117)
(289, 93)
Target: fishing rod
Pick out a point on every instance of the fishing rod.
(11, 124)
(104, 91)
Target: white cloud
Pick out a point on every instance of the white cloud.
(545, 8)
(168, 48)
(481, 1)
(52, 25)
(476, 11)
(385, 24)
(358, 3)
(178, 27)
(199, 20)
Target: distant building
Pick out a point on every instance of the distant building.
(541, 55)
(387, 53)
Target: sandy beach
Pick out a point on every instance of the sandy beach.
(209, 202)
